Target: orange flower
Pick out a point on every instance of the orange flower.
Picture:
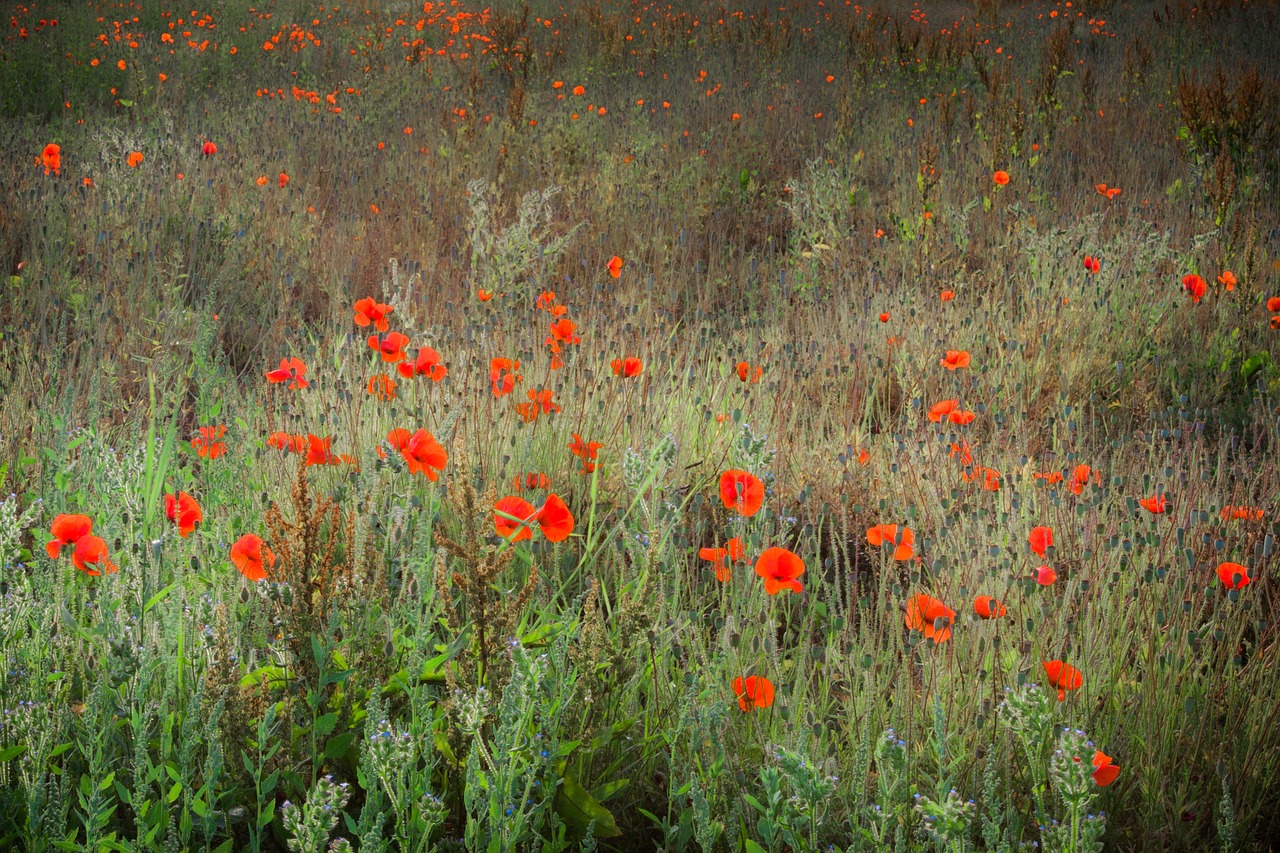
(1155, 504)
(579, 91)
(741, 492)
(66, 530)
(947, 295)
(134, 159)
(1040, 539)
(368, 311)
(553, 518)
(183, 511)
(930, 617)
(389, 345)
(1247, 513)
(1273, 304)
(426, 364)
(780, 568)
(1234, 575)
(261, 180)
(744, 371)
(1080, 478)
(206, 444)
(955, 359)
(942, 410)
(1228, 280)
(382, 386)
(291, 370)
(563, 331)
(90, 555)
(1105, 772)
(531, 480)
(318, 451)
(1063, 676)
(585, 450)
(988, 607)
(484, 295)
(882, 534)
(721, 558)
(252, 557)
(627, 367)
(285, 441)
(503, 376)
(424, 455)
(1001, 177)
(51, 159)
(614, 266)
(1194, 285)
(754, 691)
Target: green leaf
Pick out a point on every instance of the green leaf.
(751, 847)
(577, 808)
(337, 746)
(609, 790)
(174, 792)
(158, 597)
(273, 675)
(12, 752)
(125, 102)
(326, 724)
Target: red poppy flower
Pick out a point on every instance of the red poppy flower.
(963, 451)
(183, 511)
(1247, 513)
(1194, 286)
(51, 158)
(1041, 539)
(531, 480)
(1228, 280)
(754, 691)
(1234, 575)
(554, 519)
(744, 372)
(382, 386)
(627, 367)
(503, 376)
(961, 417)
(252, 557)
(208, 149)
(543, 399)
(284, 180)
(291, 370)
(1063, 676)
(586, 451)
(1080, 478)
(947, 295)
(318, 451)
(564, 331)
(66, 529)
(615, 266)
(988, 607)
(206, 444)
(390, 346)
(1091, 264)
(1155, 504)
(422, 453)
(508, 528)
(780, 568)
(1273, 304)
(1001, 177)
(942, 410)
(1105, 772)
(716, 556)
(989, 477)
(286, 442)
(884, 317)
(484, 295)
(90, 555)
(1045, 576)
(930, 617)
(742, 492)
(882, 534)
(368, 310)
(955, 359)
(427, 363)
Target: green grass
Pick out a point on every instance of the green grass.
(407, 680)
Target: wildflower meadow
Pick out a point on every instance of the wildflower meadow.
(485, 425)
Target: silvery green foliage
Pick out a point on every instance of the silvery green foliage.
(1071, 770)
(506, 258)
(311, 824)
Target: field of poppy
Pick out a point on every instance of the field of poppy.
(631, 426)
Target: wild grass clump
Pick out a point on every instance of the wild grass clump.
(766, 429)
